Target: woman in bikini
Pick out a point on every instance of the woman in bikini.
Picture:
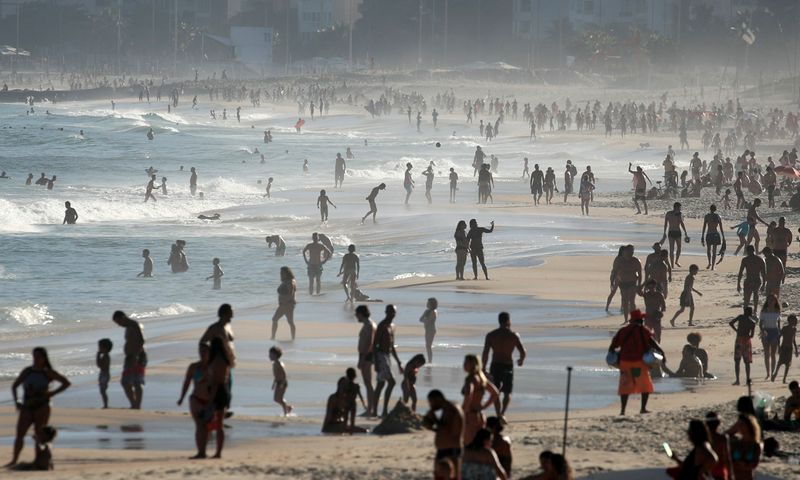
(746, 447)
(476, 386)
(286, 301)
(462, 248)
(197, 375)
(35, 406)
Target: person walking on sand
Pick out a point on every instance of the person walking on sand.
(712, 235)
(199, 400)
(279, 382)
(349, 270)
(315, 254)
(476, 387)
(287, 291)
(373, 207)
(755, 270)
(745, 326)
(640, 180)
(70, 215)
(686, 298)
(673, 224)
(775, 273)
(629, 275)
(781, 239)
(502, 342)
(753, 218)
(428, 319)
(133, 369)
(448, 428)
(384, 348)
(536, 183)
(631, 342)
(366, 355)
(769, 327)
(34, 410)
(475, 238)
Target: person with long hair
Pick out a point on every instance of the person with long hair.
(462, 248)
(701, 459)
(219, 372)
(746, 447)
(769, 324)
(476, 386)
(286, 301)
(480, 461)
(35, 406)
(199, 400)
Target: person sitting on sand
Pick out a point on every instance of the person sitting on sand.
(792, 406)
(632, 342)
(279, 382)
(745, 326)
(690, 366)
(480, 461)
(43, 460)
(199, 400)
(501, 444)
(336, 412)
(280, 245)
(410, 372)
(701, 460)
(448, 427)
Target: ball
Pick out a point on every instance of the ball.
(438, 144)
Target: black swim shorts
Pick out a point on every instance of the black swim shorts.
(502, 376)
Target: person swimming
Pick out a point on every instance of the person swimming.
(215, 216)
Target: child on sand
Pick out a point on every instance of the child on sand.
(788, 346)
(687, 300)
(44, 458)
(428, 319)
(726, 199)
(410, 372)
(147, 269)
(741, 231)
(279, 383)
(103, 361)
(216, 274)
(353, 393)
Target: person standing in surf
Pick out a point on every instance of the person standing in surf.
(373, 207)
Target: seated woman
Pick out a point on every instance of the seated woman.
(336, 412)
(694, 363)
(480, 461)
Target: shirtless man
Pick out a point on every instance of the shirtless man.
(366, 355)
(537, 182)
(280, 245)
(349, 270)
(745, 326)
(339, 169)
(70, 215)
(318, 254)
(756, 273)
(135, 359)
(653, 257)
(712, 235)
(629, 272)
(640, 180)
(449, 428)
(752, 219)
(384, 347)
(655, 306)
(781, 239)
(502, 342)
(775, 273)
(673, 224)
(223, 330)
(373, 208)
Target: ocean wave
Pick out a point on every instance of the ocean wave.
(404, 276)
(5, 274)
(169, 311)
(27, 315)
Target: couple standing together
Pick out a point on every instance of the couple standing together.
(470, 242)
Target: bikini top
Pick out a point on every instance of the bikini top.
(748, 456)
(36, 381)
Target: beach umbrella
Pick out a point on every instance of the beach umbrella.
(787, 171)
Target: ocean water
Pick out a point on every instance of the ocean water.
(59, 284)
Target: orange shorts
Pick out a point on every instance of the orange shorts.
(634, 377)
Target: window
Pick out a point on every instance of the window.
(525, 6)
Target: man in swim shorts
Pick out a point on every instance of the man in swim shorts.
(673, 224)
(502, 342)
(318, 254)
(712, 235)
(384, 349)
(745, 326)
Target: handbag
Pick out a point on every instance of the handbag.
(612, 359)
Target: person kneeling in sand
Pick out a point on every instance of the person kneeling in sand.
(336, 412)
